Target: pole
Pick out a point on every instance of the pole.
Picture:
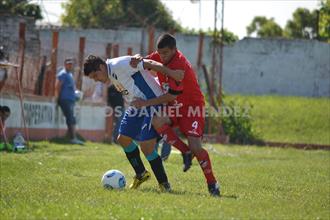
(21, 50)
(108, 51)
(200, 49)
(53, 63)
(214, 47)
(19, 76)
(151, 39)
(221, 55)
(82, 41)
(222, 132)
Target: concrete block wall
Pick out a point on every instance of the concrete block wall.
(277, 66)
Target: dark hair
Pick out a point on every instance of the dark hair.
(166, 40)
(4, 109)
(92, 63)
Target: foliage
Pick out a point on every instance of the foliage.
(264, 27)
(57, 181)
(235, 118)
(324, 21)
(238, 124)
(20, 7)
(116, 13)
(302, 25)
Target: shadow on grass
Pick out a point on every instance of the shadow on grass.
(185, 193)
(65, 139)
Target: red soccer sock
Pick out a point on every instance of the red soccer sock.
(205, 163)
(170, 137)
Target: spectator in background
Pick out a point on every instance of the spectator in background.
(4, 114)
(65, 96)
(116, 102)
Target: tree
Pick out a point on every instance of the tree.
(116, 13)
(302, 25)
(264, 27)
(20, 7)
(229, 37)
(324, 21)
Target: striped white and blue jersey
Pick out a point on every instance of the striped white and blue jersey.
(132, 82)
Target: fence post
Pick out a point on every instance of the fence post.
(21, 50)
(19, 77)
(200, 49)
(116, 50)
(51, 82)
(129, 51)
(82, 41)
(108, 50)
(151, 39)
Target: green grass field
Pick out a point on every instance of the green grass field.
(63, 182)
(289, 119)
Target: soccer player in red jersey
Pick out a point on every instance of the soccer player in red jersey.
(184, 93)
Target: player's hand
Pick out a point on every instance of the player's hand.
(177, 75)
(135, 60)
(178, 72)
(138, 103)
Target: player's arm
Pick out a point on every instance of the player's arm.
(175, 89)
(139, 103)
(156, 66)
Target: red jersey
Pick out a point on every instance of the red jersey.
(188, 90)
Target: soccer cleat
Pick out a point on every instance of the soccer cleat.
(165, 187)
(214, 189)
(139, 179)
(187, 161)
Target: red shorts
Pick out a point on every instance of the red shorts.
(190, 120)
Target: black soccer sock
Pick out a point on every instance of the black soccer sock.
(133, 155)
(157, 167)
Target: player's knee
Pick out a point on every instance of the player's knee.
(195, 144)
(124, 140)
(196, 150)
(147, 147)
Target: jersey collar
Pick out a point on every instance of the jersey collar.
(108, 68)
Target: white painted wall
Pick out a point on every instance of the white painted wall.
(277, 66)
(45, 114)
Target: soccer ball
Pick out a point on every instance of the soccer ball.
(113, 179)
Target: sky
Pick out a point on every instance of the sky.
(238, 14)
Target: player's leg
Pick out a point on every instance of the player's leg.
(204, 161)
(129, 129)
(156, 163)
(193, 128)
(132, 153)
(162, 124)
(166, 151)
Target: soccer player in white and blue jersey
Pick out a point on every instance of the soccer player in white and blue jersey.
(134, 82)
